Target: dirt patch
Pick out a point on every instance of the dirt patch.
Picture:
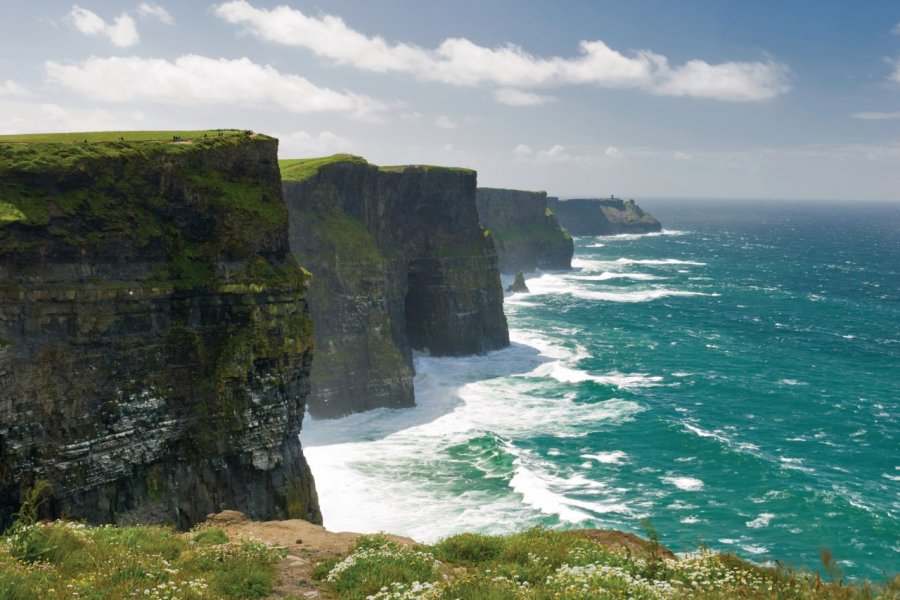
(620, 540)
(305, 543)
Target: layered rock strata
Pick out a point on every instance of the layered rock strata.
(608, 216)
(155, 342)
(526, 234)
(399, 263)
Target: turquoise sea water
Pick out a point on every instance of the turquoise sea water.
(735, 380)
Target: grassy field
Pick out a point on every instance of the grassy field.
(546, 565)
(113, 136)
(301, 169)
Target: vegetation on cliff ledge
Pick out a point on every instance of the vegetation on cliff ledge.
(582, 565)
(65, 559)
(301, 169)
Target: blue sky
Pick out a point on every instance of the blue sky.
(719, 99)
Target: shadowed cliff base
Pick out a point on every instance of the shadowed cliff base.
(156, 342)
(399, 262)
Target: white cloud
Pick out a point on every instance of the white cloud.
(33, 117)
(301, 144)
(514, 97)
(121, 32)
(895, 76)
(679, 155)
(151, 10)
(461, 62)
(11, 88)
(445, 122)
(896, 29)
(876, 116)
(193, 79)
(523, 151)
(613, 152)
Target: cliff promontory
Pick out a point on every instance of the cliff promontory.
(526, 233)
(400, 263)
(607, 216)
(155, 342)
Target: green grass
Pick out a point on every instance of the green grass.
(113, 136)
(71, 560)
(544, 565)
(301, 169)
(401, 168)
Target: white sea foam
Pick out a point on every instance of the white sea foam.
(791, 382)
(607, 275)
(635, 296)
(690, 520)
(891, 477)
(615, 457)
(637, 236)
(795, 464)
(761, 521)
(688, 484)
(564, 374)
(754, 548)
(596, 266)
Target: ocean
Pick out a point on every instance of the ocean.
(733, 380)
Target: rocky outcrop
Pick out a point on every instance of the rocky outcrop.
(518, 284)
(526, 233)
(399, 263)
(155, 342)
(608, 216)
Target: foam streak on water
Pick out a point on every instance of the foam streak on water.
(735, 381)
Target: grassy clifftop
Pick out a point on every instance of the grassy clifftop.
(66, 560)
(301, 169)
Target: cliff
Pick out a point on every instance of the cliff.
(526, 234)
(607, 216)
(155, 342)
(399, 263)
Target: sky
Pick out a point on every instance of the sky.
(645, 98)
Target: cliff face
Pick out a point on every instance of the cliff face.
(608, 216)
(399, 262)
(155, 343)
(526, 234)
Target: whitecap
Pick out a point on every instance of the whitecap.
(690, 520)
(614, 457)
(761, 521)
(791, 382)
(891, 477)
(636, 296)
(688, 484)
(564, 374)
(754, 548)
(607, 275)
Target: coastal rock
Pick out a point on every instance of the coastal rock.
(399, 263)
(526, 234)
(518, 285)
(606, 216)
(155, 342)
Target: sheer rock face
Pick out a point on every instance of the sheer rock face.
(155, 342)
(609, 216)
(525, 231)
(399, 263)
